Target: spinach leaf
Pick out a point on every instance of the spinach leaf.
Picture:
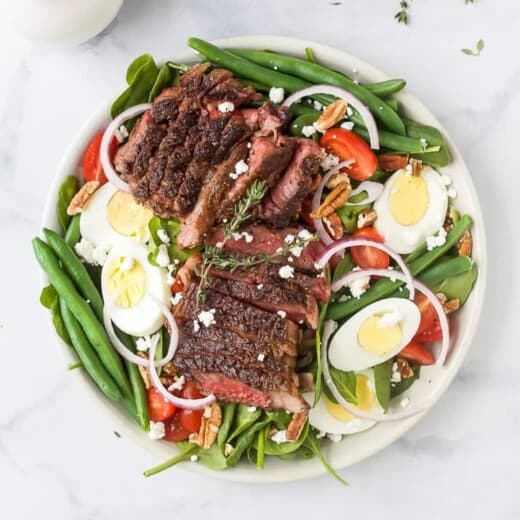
(345, 383)
(459, 287)
(312, 443)
(382, 376)
(49, 299)
(403, 385)
(140, 76)
(284, 448)
(260, 448)
(164, 79)
(433, 138)
(212, 458)
(228, 414)
(244, 418)
(280, 419)
(68, 188)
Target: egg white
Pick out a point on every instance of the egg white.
(145, 317)
(94, 224)
(404, 239)
(345, 352)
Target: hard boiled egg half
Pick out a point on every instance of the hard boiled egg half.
(131, 287)
(411, 208)
(111, 215)
(330, 417)
(374, 334)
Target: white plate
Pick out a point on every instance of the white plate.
(433, 382)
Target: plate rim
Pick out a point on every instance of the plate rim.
(297, 470)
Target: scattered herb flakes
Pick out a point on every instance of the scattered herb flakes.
(477, 51)
(402, 15)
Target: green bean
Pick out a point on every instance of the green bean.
(257, 85)
(76, 270)
(88, 356)
(73, 233)
(315, 74)
(393, 104)
(385, 287)
(386, 88)
(446, 269)
(83, 313)
(433, 137)
(260, 446)
(245, 440)
(136, 382)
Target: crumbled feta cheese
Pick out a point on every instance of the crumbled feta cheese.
(279, 250)
(389, 320)
(305, 234)
(347, 125)
(176, 299)
(359, 286)
(236, 236)
(241, 167)
(334, 437)
(276, 94)
(289, 239)
(228, 449)
(343, 298)
(207, 318)
(286, 272)
(282, 314)
(127, 264)
(396, 375)
(405, 402)
(145, 343)
(350, 112)
(296, 251)
(408, 169)
(196, 326)
(194, 458)
(452, 193)
(233, 176)
(279, 437)
(219, 245)
(162, 258)
(163, 236)
(226, 106)
(437, 240)
(260, 286)
(424, 143)
(177, 384)
(329, 161)
(157, 430)
(290, 259)
(261, 357)
(247, 237)
(121, 133)
(100, 255)
(85, 249)
(308, 130)
(251, 409)
(445, 180)
(317, 105)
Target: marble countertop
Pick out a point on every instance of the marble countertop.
(60, 460)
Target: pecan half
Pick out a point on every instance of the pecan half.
(366, 218)
(144, 372)
(332, 115)
(417, 167)
(79, 201)
(465, 245)
(338, 179)
(333, 225)
(391, 162)
(211, 421)
(404, 368)
(449, 306)
(334, 200)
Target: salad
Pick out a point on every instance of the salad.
(258, 256)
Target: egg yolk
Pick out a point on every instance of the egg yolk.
(126, 285)
(127, 217)
(376, 339)
(364, 394)
(409, 199)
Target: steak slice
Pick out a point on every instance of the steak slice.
(268, 241)
(317, 286)
(297, 306)
(247, 320)
(284, 200)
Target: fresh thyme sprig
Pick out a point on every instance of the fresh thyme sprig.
(402, 15)
(255, 193)
(479, 49)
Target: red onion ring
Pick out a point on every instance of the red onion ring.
(129, 355)
(328, 329)
(364, 112)
(388, 273)
(316, 200)
(106, 163)
(187, 404)
(373, 189)
(345, 243)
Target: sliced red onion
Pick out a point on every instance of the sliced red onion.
(316, 200)
(187, 404)
(129, 355)
(112, 176)
(364, 112)
(388, 273)
(373, 190)
(345, 243)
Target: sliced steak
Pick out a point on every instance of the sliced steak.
(267, 241)
(284, 200)
(296, 306)
(317, 286)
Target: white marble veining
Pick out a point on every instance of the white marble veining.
(60, 460)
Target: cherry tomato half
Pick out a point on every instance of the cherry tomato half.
(368, 257)
(158, 408)
(417, 353)
(92, 169)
